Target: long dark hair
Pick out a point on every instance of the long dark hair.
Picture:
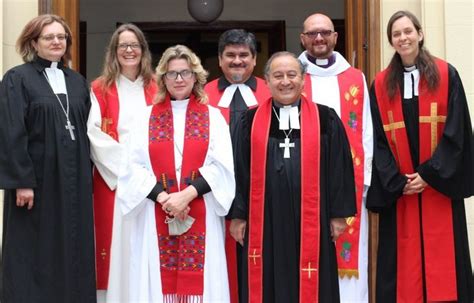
(424, 61)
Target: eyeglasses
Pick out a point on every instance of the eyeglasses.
(173, 75)
(324, 33)
(125, 46)
(50, 37)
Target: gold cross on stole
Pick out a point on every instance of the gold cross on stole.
(254, 256)
(309, 269)
(433, 119)
(392, 126)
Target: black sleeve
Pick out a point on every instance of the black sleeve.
(450, 170)
(341, 177)
(241, 147)
(201, 185)
(157, 189)
(387, 182)
(16, 165)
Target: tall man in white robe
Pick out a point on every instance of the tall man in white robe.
(330, 80)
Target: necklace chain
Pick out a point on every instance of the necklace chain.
(65, 111)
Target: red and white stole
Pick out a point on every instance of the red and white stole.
(351, 91)
(436, 211)
(181, 257)
(104, 198)
(310, 201)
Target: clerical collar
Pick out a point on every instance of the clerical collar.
(409, 68)
(324, 63)
(288, 116)
(223, 83)
(46, 63)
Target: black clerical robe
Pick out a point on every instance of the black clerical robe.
(282, 213)
(450, 171)
(48, 251)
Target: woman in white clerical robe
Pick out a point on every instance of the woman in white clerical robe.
(175, 190)
(119, 97)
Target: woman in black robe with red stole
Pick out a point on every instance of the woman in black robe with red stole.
(422, 171)
(45, 169)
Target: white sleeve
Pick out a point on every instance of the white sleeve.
(367, 136)
(106, 153)
(218, 167)
(136, 178)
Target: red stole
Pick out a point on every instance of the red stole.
(104, 198)
(261, 94)
(181, 257)
(436, 211)
(310, 201)
(351, 90)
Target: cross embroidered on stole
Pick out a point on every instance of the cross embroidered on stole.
(254, 256)
(391, 127)
(309, 269)
(433, 119)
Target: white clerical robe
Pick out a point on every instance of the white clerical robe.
(134, 184)
(325, 90)
(108, 154)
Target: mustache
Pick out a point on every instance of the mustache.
(238, 65)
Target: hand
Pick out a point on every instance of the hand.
(338, 226)
(184, 214)
(24, 196)
(178, 201)
(237, 230)
(415, 184)
(162, 197)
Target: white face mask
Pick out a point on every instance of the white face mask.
(178, 227)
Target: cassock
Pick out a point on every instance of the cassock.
(233, 100)
(150, 273)
(334, 83)
(438, 267)
(283, 203)
(110, 125)
(48, 251)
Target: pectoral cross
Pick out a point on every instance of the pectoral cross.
(286, 146)
(309, 269)
(71, 129)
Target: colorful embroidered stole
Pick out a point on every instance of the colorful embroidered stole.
(310, 201)
(181, 257)
(261, 94)
(351, 90)
(104, 197)
(436, 212)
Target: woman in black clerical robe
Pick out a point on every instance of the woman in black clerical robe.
(48, 240)
(422, 171)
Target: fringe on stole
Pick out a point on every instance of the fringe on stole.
(349, 273)
(175, 298)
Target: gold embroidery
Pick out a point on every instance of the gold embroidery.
(103, 253)
(309, 269)
(105, 125)
(391, 127)
(254, 256)
(433, 119)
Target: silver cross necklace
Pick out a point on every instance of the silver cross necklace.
(68, 125)
(286, 145)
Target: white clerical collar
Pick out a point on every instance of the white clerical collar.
(56, 78)
(322, 61)
(339, 66)
(245, 91)
(179, 103)
(411, 79)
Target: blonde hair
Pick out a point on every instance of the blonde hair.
(32, 31)
(182, 52)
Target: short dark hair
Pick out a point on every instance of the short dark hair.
(237, 37)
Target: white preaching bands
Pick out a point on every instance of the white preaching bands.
(291, 114)
(246, 92)
(55, 78)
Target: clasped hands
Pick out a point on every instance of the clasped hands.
(176, 204)
(415, 184)
(25, 197)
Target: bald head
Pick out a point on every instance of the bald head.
(318, 36)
